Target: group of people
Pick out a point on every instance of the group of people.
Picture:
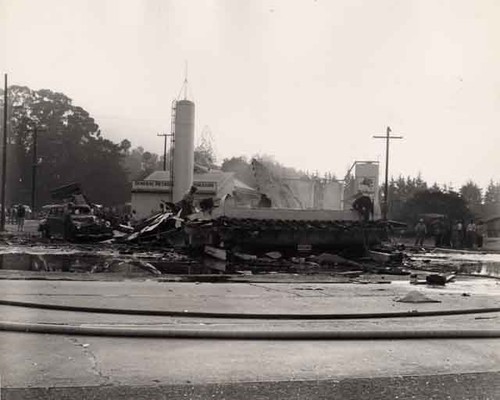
(457, 235)
(16, 215)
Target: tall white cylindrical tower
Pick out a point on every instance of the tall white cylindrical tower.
(183, 148)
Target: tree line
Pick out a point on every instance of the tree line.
(71, 148)
(410, 198)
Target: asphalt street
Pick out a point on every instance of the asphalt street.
(93, 367)
(483, 386)
(54, 366)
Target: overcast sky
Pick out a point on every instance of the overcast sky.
(308, 81)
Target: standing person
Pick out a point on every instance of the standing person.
(133, 218)
(10, 216)
(456, 235)
(461, 234)
(187, 202)
(420, 232)
(437, 229)
(364, 206)
(13, 214)
(480, 231)
(470, 234)
(447, 227)
(20, 214)
(264, 202)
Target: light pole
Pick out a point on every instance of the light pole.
(4, 157)
(164, 135)
(387, 138)
(35, 131)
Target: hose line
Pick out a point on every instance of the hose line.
(248, 334)
(266, 316)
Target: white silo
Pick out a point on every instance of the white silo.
(183, 148)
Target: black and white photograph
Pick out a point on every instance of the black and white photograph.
(249, 199)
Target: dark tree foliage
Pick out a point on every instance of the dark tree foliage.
(70, 149)
(138, 163)
(492, 199)
(400, 191)
(434, 202)
(471, 193)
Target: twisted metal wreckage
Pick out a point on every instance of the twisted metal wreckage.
(260, 230)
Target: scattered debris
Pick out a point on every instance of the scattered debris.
(416, 297)
(350, 274)
(275, 255)
(219, 254)
(432, 279)
(435, 279)
(155, 228)
(384, 257)
(334, 259)
(245, 257)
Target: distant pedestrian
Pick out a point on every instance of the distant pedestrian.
(264, 202)
(470, 234)
(457, 235)
(447, 227)
(133, 218)
(20, 215)
(437, 231)
(480, 232)
(187, 203)
(420, 232)
(12, 211)
(364, 206)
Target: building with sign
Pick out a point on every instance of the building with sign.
(148, 194)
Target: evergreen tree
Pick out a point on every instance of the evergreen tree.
(70, 148)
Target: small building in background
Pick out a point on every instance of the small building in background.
(362, 177)
(317, 193)
(492, 233)
(148, 194)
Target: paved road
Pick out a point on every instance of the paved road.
(253, 297)
(100, 367)
(32, 360)
(484, 386)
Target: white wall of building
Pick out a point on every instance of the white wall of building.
(146, 203)
(332, 196)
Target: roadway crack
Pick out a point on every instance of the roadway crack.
(94, 367)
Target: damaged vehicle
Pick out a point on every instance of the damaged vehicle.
(74, 223)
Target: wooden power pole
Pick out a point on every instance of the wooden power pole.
(35, 131)
(387, 138)
(4, 157)
(165, 136)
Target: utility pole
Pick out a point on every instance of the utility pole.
(387, 138)
(4, 157)
(34, 166)
(165, 136)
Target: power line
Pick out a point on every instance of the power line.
(35, 131)
(387, 138)
(4, 156)
(165, 136)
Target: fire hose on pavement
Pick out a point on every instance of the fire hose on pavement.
(112, 331)
(249, 334)
(266, 316)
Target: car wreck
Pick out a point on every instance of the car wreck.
(74, 223)
(74, 219)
